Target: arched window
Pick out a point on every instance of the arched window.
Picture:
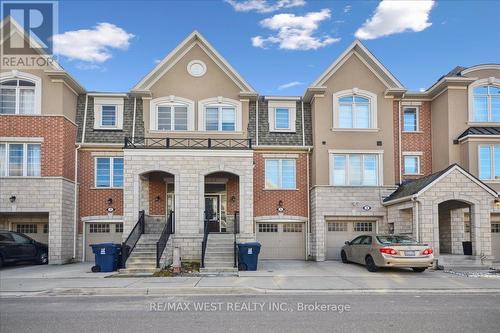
(219, 114)
(354, 109)
(486, 103)
(19, 94)
(172, 114)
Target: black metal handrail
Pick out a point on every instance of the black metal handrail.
(206, 231)
(165, 235)
(236, 230)
(187, 143)
(132, 239)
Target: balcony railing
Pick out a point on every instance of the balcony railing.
(187, 143)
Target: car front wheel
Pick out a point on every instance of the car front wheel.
(43, 258)
(343, 256)
(419, 269)
(370, 264)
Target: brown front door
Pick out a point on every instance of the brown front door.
(212, 212)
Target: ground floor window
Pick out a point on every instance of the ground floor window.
(31, 228)
(99, 228)
(268, 227)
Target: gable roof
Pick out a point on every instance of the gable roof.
(358, 49)
(414, 188)
(195, 38)
(480, 131)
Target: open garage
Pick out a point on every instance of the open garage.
(33, 225)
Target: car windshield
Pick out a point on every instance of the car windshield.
(394, 239)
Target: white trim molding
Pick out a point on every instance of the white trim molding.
(354, 92)
(17, 75)
(117, 102)
(291, 106)
(172, 101)
(220, 101)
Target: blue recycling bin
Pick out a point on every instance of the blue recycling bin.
(248, 256)
(107, 257)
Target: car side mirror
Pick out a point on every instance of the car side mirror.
(347, 243)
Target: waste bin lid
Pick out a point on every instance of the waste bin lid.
(250, 244)
(103, 244)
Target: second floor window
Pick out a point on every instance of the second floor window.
(411, 165)
(17, 97)
(109, 172)
(220, 118)
(173, 117)
(355, 169)
(489, 162)
(410, 119)
(20, 160)
(486, 103)
(354, 112)
(280, 174)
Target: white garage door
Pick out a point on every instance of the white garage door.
(337, 232)
(101, 233)
(495, 240)
(281, 240)
(37, 231)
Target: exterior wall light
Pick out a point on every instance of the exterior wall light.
(109, 201)
(12, 199)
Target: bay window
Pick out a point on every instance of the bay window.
(354, 169)
(109, 172)
(486, 103)
(20, 160)
(489, 162)
(280, 174)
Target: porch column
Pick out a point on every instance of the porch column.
(457, 230)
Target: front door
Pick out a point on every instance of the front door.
(212, 212)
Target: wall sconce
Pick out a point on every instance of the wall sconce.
(158, 198)
(280, 208)
(497, 201)
(109, 201)
(233, 199)
(12, 199)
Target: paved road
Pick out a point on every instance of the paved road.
(366, 313)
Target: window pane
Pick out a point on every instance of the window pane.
(484, 162)
(481, 90)
(228, 119)
(410, 120)
(339, 174)
(212, 119)
(411, 165)
(347, 99)
(362, 116)
(272, 174)
(26, 101)
(181, 118)
(494, 90)
(359, 99)
(481, 108)
(496, 165)
(23, 83)
(16, 160)
(117, 172)
(108, 115)
(164, 118)
(3, 159)
(103, 172)
(282, 118)
(288, 174)
(345, 116)
(495, 108)
(34, 160)
(355, 170)
(7, 100)
(370, 170)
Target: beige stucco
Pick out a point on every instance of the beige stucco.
(352, 74)
(470, 158)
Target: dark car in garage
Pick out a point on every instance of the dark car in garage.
(16, 247)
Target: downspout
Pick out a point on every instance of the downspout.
(133, 120)
(399, 140)
(308, 223)
(257, 121)
(417, 222)
(75, 200)
(303, 124)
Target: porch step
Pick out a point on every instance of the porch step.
(154, 224)
(219, 255)
(142, 260)
(219, 271)
(137, 272)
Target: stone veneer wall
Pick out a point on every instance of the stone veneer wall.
(53, 195)
(330, 201)
(189, 169)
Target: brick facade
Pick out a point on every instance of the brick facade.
(157, 188)
(420, 141)
(58, 146)
(266, 201)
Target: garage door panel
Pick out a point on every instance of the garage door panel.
(101, 233)
(338, 232)
(281, 240)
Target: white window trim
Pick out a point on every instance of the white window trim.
(380, 164)
(25, 159)
(170, 101)
(418, 164)
(117, 102)
(111, 172)
(280, 174)
(417, 118)
(357, 92)
(292, 115)
(220, 102)
(481, 82)
(492, 162)
(16, 75)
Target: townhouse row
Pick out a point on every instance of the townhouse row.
(194, 144)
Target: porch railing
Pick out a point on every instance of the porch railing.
(132, 239)
(206, 231)
(165, 235)
(187, 143)
(236, 230)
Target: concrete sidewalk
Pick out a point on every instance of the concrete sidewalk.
(273, 277)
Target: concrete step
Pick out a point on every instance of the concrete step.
(219, 271)
(224, 254)
(134, 261)
(213, 263)
(141, 265)
(137, 271)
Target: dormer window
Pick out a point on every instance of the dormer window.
(486, 104)
(354, 109)
(108, 113)
(108, 116)
(282, 116)
(20, 94)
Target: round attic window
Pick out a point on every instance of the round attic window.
(196, 68)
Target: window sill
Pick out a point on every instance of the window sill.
(281, 189)
(107, 129)
(106, 188)
(412, 132)
(21, 114)
(355, 130)
(195, 132)
(484, 123)
(413, 174)
(282, 131)
(355, 185)
(494, 181)
(21, 177)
